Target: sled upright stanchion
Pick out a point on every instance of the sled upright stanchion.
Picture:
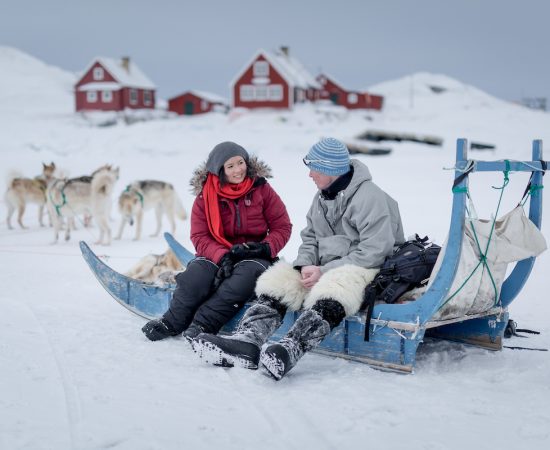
(396, 330)
(517, 279)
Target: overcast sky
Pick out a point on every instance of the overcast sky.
(499, 46)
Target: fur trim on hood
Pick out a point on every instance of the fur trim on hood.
(256, 169)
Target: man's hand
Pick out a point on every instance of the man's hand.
(310, 276)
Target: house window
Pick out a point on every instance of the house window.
(133, 96)
(247, 92)
(261, 93)
(106, 96)
(98, 73)
(91, 96)
(204, 105)
(300, 97)
(275, 92)
(261, 69)
(147, 98)
(352, 98)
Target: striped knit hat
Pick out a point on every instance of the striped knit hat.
(329, 156)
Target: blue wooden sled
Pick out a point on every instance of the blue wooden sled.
(396, 330)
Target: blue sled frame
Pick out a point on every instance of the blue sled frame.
(396, 330)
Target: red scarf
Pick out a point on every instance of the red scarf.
(211, 193)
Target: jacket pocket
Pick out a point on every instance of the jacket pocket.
(333, 247)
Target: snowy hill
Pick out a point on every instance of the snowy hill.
(30, 86)
(77, 373)
(442, 106)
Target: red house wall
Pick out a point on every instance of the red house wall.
(140, 104)
(339, 96)
(178, 104)
(82, 103)
(274, 77)
(89, 76)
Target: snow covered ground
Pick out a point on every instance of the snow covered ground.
(77, 373)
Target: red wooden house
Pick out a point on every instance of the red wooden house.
(197, 102)
(273, 80)
(114, 85)
(333, 91)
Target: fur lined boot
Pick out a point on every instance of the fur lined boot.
(307, 333)
(243, 347)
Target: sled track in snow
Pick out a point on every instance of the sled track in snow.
(72, 398)
(292, 420)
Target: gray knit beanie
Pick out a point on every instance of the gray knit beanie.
(329, 156)
(221, 153)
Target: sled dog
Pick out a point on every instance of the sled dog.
(21, 191)
(158, 269)
(88, 195)
(142, 195)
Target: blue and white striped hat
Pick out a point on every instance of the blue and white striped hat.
(329, 156)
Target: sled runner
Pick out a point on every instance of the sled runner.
(183, 255)
(144, 299)
(396, 329)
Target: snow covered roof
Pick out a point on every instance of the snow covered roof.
(109, 86)
(213, 98)
(131, 77)
(288, 67)
(333, 80)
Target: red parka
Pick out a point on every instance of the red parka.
(258, 216)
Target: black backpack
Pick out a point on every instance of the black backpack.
(409, 266)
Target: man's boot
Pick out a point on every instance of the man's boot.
(243, 347)
(306, 334)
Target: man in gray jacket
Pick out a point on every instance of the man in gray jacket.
(352, 226)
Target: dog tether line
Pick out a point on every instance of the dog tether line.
(59, 206)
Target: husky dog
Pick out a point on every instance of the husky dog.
(28, 190)
(142, 195)
(89, 195)
(159, 269)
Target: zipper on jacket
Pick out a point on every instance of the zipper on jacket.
(237, 214)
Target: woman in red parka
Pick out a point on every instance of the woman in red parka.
(238, 226)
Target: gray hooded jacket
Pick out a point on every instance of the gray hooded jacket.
(361, 226)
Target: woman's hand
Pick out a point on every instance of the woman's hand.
(259, 250)
(225, 270)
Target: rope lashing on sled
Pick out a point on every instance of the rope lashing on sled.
(379, 324)
(483, 254)
(532, 188)
(139, 194)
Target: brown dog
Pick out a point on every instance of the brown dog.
(28, 190)
(159, 269)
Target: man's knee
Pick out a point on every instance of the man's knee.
(281, 281)
(345, 284)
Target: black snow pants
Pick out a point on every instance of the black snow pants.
(194, 301)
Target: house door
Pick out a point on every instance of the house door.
(188, 108)
(334, 98)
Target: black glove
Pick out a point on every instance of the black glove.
(225, 270)
(258, 250)
(158, 329)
